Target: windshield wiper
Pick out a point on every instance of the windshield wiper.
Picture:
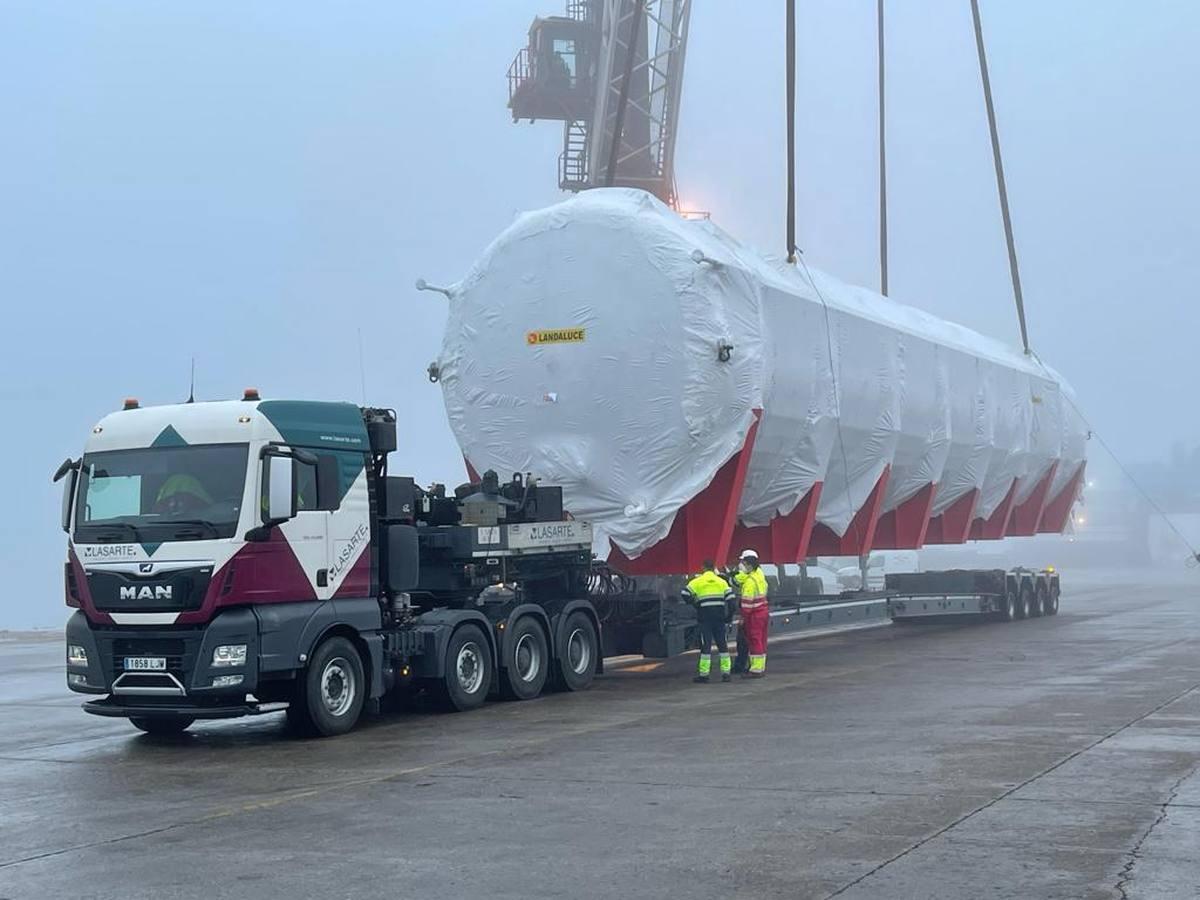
(110, 538)
(201, 523)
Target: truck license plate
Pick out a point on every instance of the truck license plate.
(145, 664)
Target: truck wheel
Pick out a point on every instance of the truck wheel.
(161, 724)
(330, 692)
(467, 672)
(1052, 602)
(527, 661)
(1011, 610)
(578, 652)
(1025, 602)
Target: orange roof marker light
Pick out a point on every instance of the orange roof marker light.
(251, 394)
(131, 403)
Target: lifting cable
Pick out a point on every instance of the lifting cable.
(1194, 555)
(1000, 185)
(883, 235)
(791, 130)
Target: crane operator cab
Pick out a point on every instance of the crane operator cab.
(550, 78)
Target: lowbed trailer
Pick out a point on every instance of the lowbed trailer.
(909, 598)
(241, 557)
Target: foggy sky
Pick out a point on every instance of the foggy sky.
(256, 184)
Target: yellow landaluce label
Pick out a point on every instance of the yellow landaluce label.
(555, 336)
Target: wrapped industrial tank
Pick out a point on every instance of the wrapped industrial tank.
(690, 396)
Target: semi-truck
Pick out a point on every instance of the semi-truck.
(238, 557)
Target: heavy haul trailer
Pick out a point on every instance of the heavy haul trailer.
(242, 557)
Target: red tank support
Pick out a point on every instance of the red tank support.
(906, 526)
(953, 525)
(860, 536)
(1027, 516)
(472, 475)
(1058, 510)
(703, 527)
(791, 534)
(785, 539)
(996, 525)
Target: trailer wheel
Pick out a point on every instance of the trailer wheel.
(527, 660)
(330, 692)
(1052, 601)
(467, 670)
(1025, 603)
(1039, 601)
(578, 652)
(161, 724)
(1011, 610)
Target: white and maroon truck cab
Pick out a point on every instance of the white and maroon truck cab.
(207, 543)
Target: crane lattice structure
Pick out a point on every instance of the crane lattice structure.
(612, 72)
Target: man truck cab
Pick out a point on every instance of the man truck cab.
(206, 536)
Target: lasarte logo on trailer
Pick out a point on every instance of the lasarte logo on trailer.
(556, 336)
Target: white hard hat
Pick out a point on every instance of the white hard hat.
(749, 554)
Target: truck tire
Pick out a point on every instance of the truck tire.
(578, 652)
(161, 724)
(1025, 602)
(1052, 601)
(330, 692)
(467, 669)
(527, 660)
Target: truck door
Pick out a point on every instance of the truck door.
(308, 533)
(349, 529)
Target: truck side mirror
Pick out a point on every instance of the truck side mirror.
(281, 490)
(403, 558)
(70, 471)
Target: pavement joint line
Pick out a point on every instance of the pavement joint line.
(1135, 854)
(1008, 793)
(740, 788)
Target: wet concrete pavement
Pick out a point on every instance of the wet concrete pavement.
(1049, 758)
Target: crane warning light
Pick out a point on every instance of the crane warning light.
(131, 403)
(251, 394)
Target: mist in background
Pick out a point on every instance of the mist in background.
(256, 185)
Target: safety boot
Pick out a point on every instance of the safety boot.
(726, 678)
(700, 679)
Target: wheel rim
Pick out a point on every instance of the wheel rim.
(469, 667)
(338, 686)
(528, 658)
(579, 651)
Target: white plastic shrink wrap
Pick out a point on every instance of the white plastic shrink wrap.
(611, 347)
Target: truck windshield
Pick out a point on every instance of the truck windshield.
(161, 493)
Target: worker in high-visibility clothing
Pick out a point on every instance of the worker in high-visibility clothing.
(752, 598)
(714, 601)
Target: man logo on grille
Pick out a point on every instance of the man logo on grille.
(145, 568)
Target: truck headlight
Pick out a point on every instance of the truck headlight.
(76, 656)
(229, 655)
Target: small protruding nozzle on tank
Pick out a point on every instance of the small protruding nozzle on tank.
(423, 285)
